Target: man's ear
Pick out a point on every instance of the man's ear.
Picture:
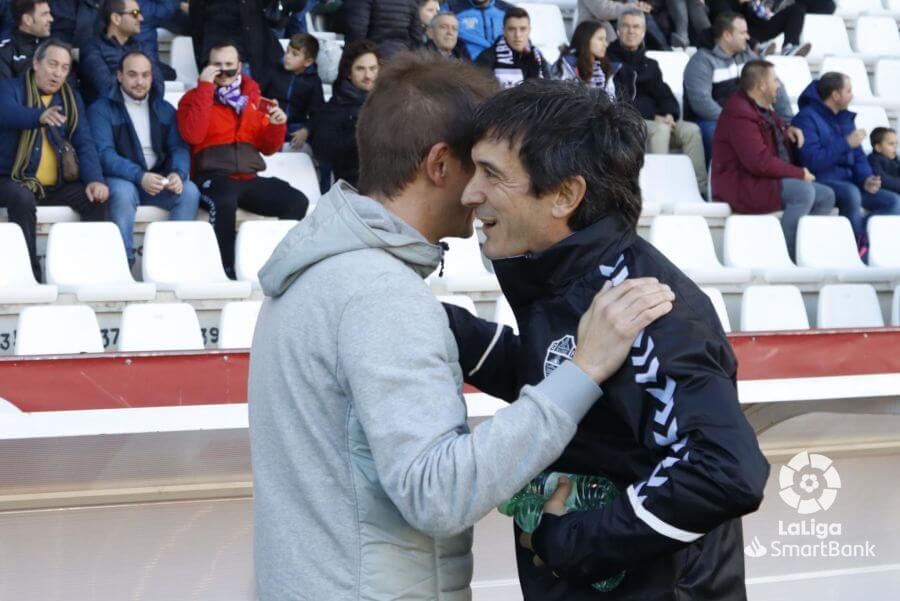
(569, 198)
(436, 164)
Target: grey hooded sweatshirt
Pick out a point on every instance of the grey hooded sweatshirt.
(367, 479)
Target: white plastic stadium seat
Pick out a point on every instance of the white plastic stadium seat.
(459, 300)
(58, 330)
(849, 306)
(173, 98)
(773, 308)
(50, 214)
(793, 72)
(884, 240)
(183, 256)
(503, 313)
(887, 77)
(718, 303)
(256, 240)
(17, 283)
(756, 242)
(464, 270)
(895, 308)
(672, 65)
(828, 36)
(160, 327)
(297, 169)
(868, 117)
(182, 60)
(174, 86)
(669, 181)
(827, 242)
(548, 31)
(877, 35)
(687, 242)
(854, 8)
(88, 260)
(237, 322)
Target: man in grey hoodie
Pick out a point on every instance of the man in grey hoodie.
(367, 479)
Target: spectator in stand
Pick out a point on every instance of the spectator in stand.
(227, 124)
(76, 22)
(243, 24)
(513, 58)
(392, 24)
(443, 37)
(753, 168)
(47, 153)
(298, 87)
(712, 75)
(833, 152)
(609, 11)
(100, 58)
(883, 159)
(480, 22)
(640, 83)
(333, 127)
(690, 19)
(764, 25)
(427, 11)
(144, 158)
(585, 59)
(33, 19)
(157, 13)
(7, 20)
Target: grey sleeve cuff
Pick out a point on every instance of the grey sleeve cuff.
(570, 389)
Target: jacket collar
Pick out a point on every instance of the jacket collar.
(627, 56)
(20, 38)
(116, 94)
(347, 93)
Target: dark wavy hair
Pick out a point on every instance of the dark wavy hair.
(581, 44)
(353, 51)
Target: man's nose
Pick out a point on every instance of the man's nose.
(472, 196)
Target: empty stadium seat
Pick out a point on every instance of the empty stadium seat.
(159, 327)
(58, 330)
(459, 300)
(854, 8)
(773, 308)
(895, 308)
(887, 77)
(88, 260)
(548, 32)
(877, 36)
(828, 36)
(827, 242)
(669, 181)
(256, 240)
(849, 306)
(237, 322)
(297, 169)
(718, 303)
(464, 271)
(884, 240)
(794, 73)
(672, 65)
(868, 117)
(503, 313)
(174, 87)
(173, 98)
(17, 283)
(182, 60)
(183, 256)
(687, 242)
(756, 242)
(855, 69)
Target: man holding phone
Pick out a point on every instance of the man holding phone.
(228, 125)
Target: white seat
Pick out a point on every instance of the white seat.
(459, 300)
(464, 270)
(149, 213)
(895, 308)
(173, 86)
(887, 77)
(297, 169)
(173, 98)
(855, 69)
(17, 283)
(669, 181)
(849, 306)
(182, 60)
(884, 240)
(828, 36)
(88, 260)
(756, 242)
(503, 313)
(794, 73)
(159, 327)
(877, 35)
(718, 303)
(827, 242)
(672, 65)
(548, 31)
(183, 256)
(773, 308)
(58, 330)
(868, 117)
(852, 9)
(50, 214)
(237, 322)
(7, 407)
(256, 240)
(687, 242)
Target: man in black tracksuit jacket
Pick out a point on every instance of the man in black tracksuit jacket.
(668, 432)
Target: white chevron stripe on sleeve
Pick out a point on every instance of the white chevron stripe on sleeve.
(657, 524)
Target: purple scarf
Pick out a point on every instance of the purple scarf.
(231, 95)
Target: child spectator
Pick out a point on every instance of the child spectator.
(883, 159)
(297, 87)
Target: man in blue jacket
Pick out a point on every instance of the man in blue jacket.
(480, 22)
(832, 152)
(43, 132)
(144, 158)
(76, 21)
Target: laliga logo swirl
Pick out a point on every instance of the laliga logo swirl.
(809, 483)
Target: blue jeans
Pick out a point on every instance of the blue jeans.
(849, 198)
(707, 130)
(125, 197)
(800, 198)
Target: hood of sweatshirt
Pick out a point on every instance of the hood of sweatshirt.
(345, 221)
(810, 97)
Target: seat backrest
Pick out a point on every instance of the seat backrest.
(181, 252)
(463, 258)
(827, 34)
(794, 73)
(858, 6)
(849, 306)
(893, 5)
(58, 330)
(672, 65)
(173, 98)
(718, 303)
(503, 313)
(86, 253)
(159, 327)
(15, 268)
(884, 240)
(668, 178)
(887, 77)
(755, 242)
(182, 58)
(895, 308)
(685, 240)
(256, 240)
(772, 308)
(852, 67)
(237, 322)
(826, 242)
(868, 117)
(297, 169)
(459, 300)
(547, 26)
(877, 35)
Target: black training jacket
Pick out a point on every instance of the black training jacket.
(668, 430)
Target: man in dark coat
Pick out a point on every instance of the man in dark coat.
(33, 22)
(513, 58)
(443, 37)
(76, 22)
(392, 24)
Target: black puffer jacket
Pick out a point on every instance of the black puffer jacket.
(668, 431)
(76, 21)
(640, 82)
(16, 53)
(332, 132)
(392, 24)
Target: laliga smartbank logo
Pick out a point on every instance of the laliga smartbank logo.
(809, 483)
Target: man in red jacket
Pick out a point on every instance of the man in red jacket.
(752, 163)
(227, 124)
